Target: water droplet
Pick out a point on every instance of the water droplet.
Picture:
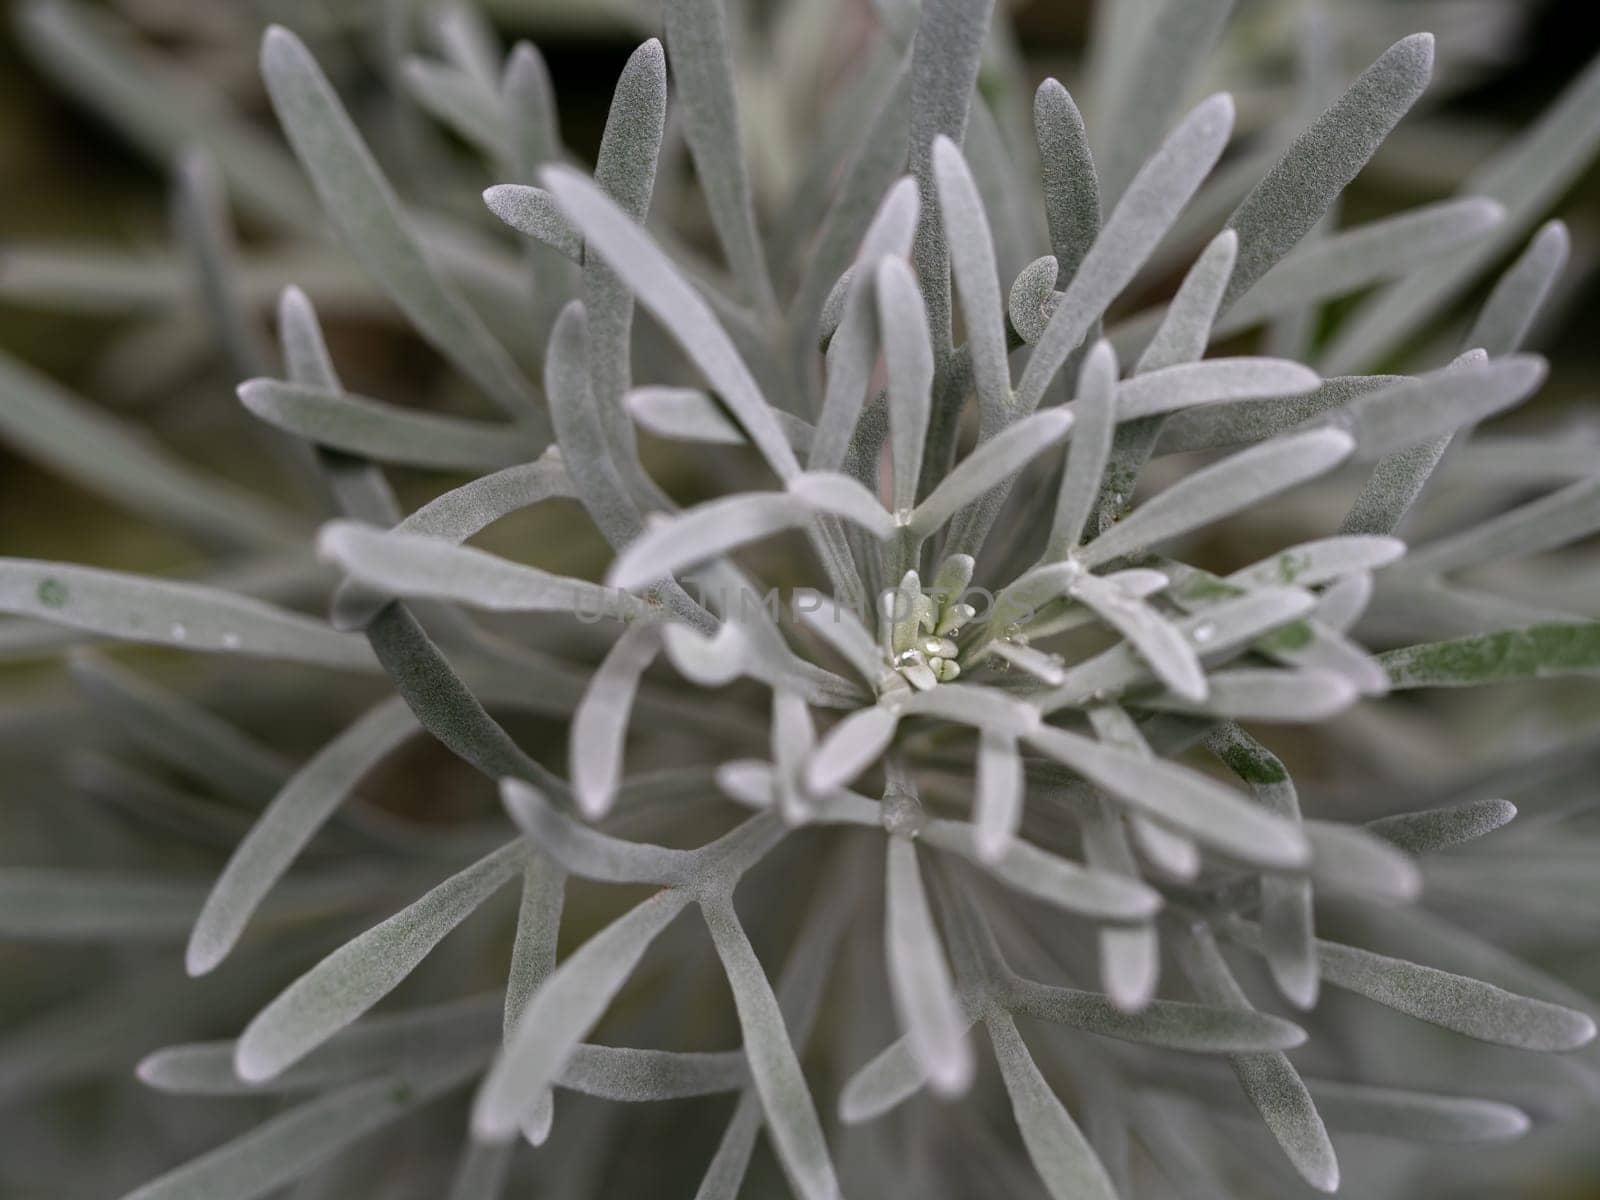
(179, 631)
(1205, 631)
(230, 641)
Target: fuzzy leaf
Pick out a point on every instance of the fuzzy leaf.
(993, 462)
(287, 825)
(1537, 652)
(1059, 1151)
(562, 1011)
(600, 724)
(1389, 248)
(533, 211)
(1282, 208)
(162, 612)
(1210, 813)
(384, 432)
(908, 363)
(656, 283)
(356, 976)
(406, 564)
(791, 1119)
(1140, 219)
(362, 206)
(1222, 489)
(919, 976)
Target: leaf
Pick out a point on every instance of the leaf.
(1416, 1116)
(62, 905)
(1059, 1152)
(1214, 381)
(703, 70)
(600, 724)
(456, 100)
(791, 1118)
(1348, 858)
(1176, 41)
(384, 432)
(1557, 519)
(1222, 489)
(1210, 813)
(841, 496)
(1415, 410)
(1311, 564)
(1520, 292)
(286, 826)
(1527, 176)
(1140, 219)
(703, 532)
(997, 809)
(294, 1143)
(849, 748)
(1171, 1024)
(406, 1042)
(363, 208)
(151, 103)
(1324, 158)
(892, 1076)
(162, 612)
(43, 421)
(1067, 885)
(533, 211)
(407, 564)
(993, 462)
(1186, 326)
(1340, 263)
(1537, 652)
(919, 976)
(1268, 1079)
(908, 365)
(1071, 188)
(179, 732)
(853, 347)
(356, 976)
(587, 853)
(683, 414)
(656, 283)
(1096, 407)
(205, 235)
(1032, 298)
(562, 1011)
(1220, 627)
(945, 56)
(1466, 1006)
(1288, 918)
(1261, 694)
(1159, 642)
(1433, 829)
(972, 264)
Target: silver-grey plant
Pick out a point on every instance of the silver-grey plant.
(1001, 753)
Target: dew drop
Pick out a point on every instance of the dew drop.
(179, 631)
(230, 641)
(1205, 631)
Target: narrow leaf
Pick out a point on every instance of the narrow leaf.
(363, 207)
(288, 824)
(161, 612)
(562, 1011)
(1222, 489)
(384, 432)
(919, 976)
(356, 976)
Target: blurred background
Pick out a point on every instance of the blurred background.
(95, 294)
